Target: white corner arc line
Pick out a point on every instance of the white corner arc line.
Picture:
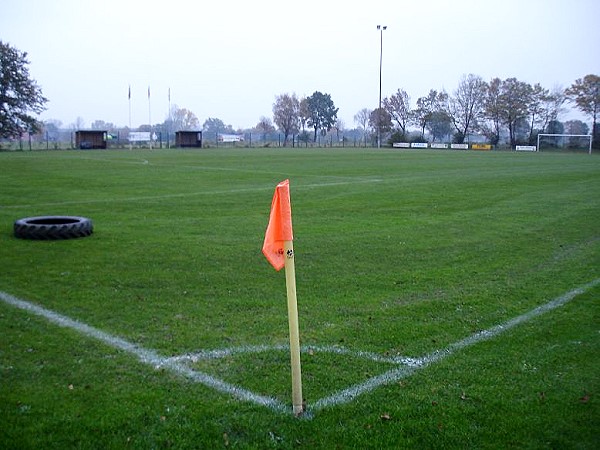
(176, 364)
(396, 374)
(146, 356)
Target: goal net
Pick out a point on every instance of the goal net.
(564, 142)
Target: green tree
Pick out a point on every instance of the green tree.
(286, 115)
(515, 99)
(380, 120)
(440, 125)
(323, 112)
(20, 95)
(555, 127)
(586, 95)
(492, 112)
(575, 127)
(426, 106)
(212, 125)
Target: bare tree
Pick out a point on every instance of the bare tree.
(286, 111)
(265, 126)
(361, 118)
(553, 106)
(339, 126)
(398, 107)
(466, 106)
(79, 124)
(182, 119)
(544, 109)
(102, 125)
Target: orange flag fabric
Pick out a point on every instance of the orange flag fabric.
(280, 226)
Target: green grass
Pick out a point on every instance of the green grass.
(397, 253)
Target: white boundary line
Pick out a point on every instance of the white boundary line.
(146, 356)
(177, 364)
(192, 194)
(397, 374)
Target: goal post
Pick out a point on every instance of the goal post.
(572, 142)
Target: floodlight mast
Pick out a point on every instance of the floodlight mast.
(380, 28)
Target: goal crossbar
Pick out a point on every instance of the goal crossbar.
(588, 136)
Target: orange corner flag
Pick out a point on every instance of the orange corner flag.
(279, 229)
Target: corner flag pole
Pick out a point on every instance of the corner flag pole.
(278, 248)
(290, 283)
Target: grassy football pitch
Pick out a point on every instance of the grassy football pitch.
(447, 299)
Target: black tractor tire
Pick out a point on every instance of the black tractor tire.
(53, 227)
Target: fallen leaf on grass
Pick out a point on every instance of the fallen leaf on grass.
(585, 398)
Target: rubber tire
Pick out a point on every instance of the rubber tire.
(53, 227)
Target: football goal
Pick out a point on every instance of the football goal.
(564, 142)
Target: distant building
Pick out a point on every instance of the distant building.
(188, 139)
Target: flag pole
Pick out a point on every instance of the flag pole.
(129, 99)
(278, 248)
(170, 122)
(290, 282)
(150, 117)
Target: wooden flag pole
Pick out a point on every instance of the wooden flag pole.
(290, 282)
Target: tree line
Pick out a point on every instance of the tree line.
(512, 107)
(494, 109)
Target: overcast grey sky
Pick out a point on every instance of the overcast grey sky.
(230, 58)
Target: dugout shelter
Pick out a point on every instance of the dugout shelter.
(188, 139)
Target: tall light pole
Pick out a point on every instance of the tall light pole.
(380, 28)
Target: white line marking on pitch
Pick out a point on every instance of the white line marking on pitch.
(395, 375)
(146, 356)
(192, 194)
(177, 364)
